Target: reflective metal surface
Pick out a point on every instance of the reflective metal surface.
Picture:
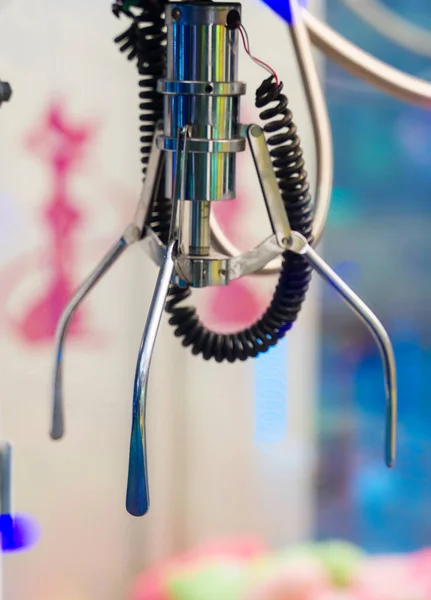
(194, 265)
(57, 424)
(179, 187)
(199, 228)
(299, 245)
(204, 88)
(132, 234)
(254, 260)
(202, 146)
(268, 184)
(137, 499)
(203, 272)
(211, 61)
(322, 136)
(152, 246)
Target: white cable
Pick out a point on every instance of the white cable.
(361, 64)
(389, 24)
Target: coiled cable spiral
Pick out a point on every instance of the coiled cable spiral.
(145, 39)
(295, 275)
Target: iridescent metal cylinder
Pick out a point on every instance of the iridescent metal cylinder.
(201, 90)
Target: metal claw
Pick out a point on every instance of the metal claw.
(299, 245)
(137, 499)
(181, 162)
(57, 426)
(132, 234)
(137, 495)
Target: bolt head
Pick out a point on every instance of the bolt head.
(176, 14)
(256, 131)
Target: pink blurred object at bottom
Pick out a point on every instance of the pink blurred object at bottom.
(304, 579)
(339, 595)
(397, 577)
(151, 585)
(420, 567)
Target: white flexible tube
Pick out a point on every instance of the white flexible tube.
(389, 24)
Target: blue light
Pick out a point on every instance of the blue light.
(18, 533)
(270, 396)
(283, 9)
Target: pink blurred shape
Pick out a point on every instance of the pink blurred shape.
(392, 577)
(61, 146)
(304, 579)
(239, 304)
(235, 306)
(151, 584)
(420, 568)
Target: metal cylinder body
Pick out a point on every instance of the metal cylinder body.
(201, 91)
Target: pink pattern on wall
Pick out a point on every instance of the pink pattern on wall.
(235, 306)
(60, 145)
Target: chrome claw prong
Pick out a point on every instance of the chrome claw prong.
(132, 234)
(57, 424)
(137, 494)
(299, 245)
(137, 497)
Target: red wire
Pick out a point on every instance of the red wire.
(246, 44)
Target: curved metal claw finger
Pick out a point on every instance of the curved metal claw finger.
(137, 498)
(133, 233)
(57, 423)
(299, 245)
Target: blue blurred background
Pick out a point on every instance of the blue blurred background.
(378, 238)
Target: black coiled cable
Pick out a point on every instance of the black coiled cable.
(145, 39)
(288, 162)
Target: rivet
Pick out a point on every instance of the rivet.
(176, 14)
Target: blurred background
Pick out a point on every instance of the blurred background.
(377, 234)
(285, 448)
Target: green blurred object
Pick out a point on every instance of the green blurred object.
(228, 580)
(340, 559)
(221, 580)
